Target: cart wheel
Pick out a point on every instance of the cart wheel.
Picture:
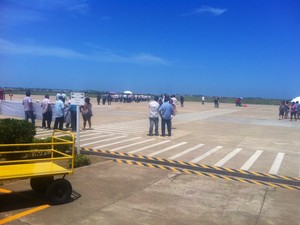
(59, 191)
(40, 184)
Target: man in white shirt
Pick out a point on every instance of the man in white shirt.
(47, 112)
(64, 97)
(57, 96)
(28, 108)
(153, 116)
(174, 99)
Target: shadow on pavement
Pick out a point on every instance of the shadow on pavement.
(26, 199)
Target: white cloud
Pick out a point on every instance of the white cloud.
(145, 57)
(11, 16)
(80, 8)
(28, 11)
(11, 48)
(207, 10)
(140, 58)
(7, 47)
(211, 10)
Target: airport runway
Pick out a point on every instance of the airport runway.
(239, 138)
(189, 145)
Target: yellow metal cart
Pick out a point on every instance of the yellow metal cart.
(41, 165)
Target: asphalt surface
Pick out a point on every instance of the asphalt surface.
(107, 192)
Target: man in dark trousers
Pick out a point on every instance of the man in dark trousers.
(181, 101)
(166, 111)
(98, 98)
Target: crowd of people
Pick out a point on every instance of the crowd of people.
(289, 110)
(62, 112)
(123, 98)
(162, 107)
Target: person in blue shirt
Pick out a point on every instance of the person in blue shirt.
(166, 111)
(59, 113)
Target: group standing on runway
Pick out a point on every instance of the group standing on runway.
(165, 107)
(161, 108)
(286, 108)
(62, 112)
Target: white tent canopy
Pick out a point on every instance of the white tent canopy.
(128, 92)
(296, 99)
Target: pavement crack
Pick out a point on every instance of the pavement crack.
(174, 176)
(129, 195)
(145, 211)
(262, 205)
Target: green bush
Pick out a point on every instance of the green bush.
(81, 160)
(13, 131)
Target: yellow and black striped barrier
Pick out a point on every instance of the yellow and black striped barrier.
(175, 169)
(200, 169)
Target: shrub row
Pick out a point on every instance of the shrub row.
(13, 131)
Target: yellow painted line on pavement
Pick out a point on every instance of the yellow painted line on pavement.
(22, 214)
(174, 169)
(229, 170)
(255, 173)
(199, 173)
(162, 167)
(226, 178)
(150, 165)
(241, 180)
(129, 162)
(139, 163)
(186, 171)
(217, 168)
(5, 191)
(284, 177)
(242, 171)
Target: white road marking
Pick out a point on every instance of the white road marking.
(109, 139)
(118, 142)
(131, 126)
(149, 146)
(128, 123)
(186, 151)
(84, 133)
(199, 158)
(247, 165)
(137, 143)
(276, 164)
(167, 149)
(228, 157)
(121, 130)
(46, 133)
(91, 138)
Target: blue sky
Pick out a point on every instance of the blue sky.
(211, 47)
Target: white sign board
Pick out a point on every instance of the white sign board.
(77, 98)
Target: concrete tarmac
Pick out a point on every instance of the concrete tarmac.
(110, 193)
